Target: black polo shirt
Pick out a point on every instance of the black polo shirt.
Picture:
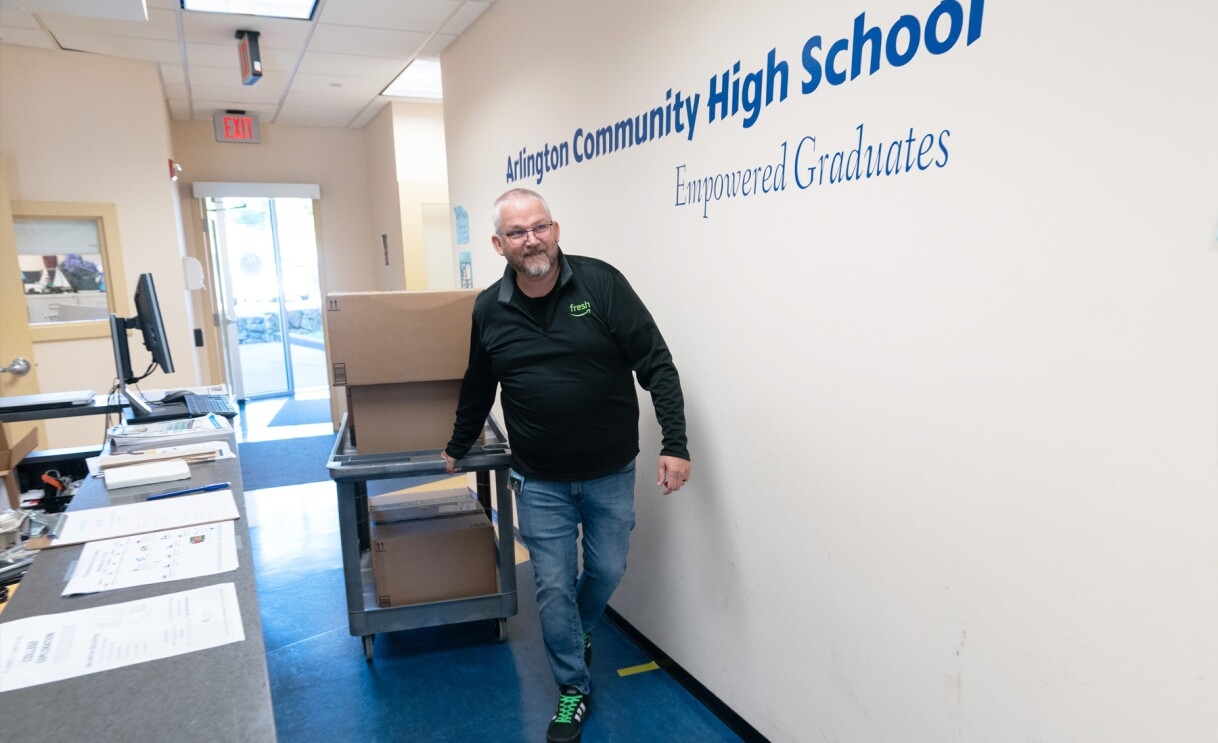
(567, 374)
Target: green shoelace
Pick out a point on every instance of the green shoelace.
(567, 704)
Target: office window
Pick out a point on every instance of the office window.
(70, 266)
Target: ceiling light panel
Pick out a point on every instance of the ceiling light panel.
(301, 10)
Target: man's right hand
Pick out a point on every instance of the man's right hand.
(450, 464)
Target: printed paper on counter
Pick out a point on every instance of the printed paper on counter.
(52, 647)
(156, 557)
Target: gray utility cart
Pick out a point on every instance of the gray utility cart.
(351, 472)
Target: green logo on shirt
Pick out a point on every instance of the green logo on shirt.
(579, 310)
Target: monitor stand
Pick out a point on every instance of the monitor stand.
(169, 412)
(139, 410)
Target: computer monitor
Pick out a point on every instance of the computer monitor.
(148, 321)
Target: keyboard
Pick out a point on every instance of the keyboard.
(198, 405)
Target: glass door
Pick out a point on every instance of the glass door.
(223, 305)
(267, 253)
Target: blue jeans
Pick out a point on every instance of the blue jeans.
(570, 602)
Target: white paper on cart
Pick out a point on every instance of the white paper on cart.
(156, 557)
(52, 647)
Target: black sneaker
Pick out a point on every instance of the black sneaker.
(567, 724)
(588, 649)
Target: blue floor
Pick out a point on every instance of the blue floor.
(449, 683)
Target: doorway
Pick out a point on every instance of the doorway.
(265, 261)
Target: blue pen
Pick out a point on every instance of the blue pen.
(191, 491)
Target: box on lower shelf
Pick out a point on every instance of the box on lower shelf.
(436, 559)
(445, 498)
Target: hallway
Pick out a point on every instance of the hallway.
(448, 683)
(262, 367)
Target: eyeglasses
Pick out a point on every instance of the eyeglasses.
(516, 237)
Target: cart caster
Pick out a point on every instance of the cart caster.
(368, 647)
(501, 632)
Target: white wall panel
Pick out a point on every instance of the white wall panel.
(954, 428)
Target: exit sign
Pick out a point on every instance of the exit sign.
(232, 126)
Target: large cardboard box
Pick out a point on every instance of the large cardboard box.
(410, 416)
(440, 559)
(414, 503)
(390, 337)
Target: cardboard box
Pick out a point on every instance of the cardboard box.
(426, 560)
(387, 418)
(11, 455)
(390, 337)
(414, 503)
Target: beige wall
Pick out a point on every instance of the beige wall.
(407, 169)
(953, 429)
(332, 158)
(83, 128)
(418, 134)
(385, 216)
(335, 159)
(88, 128)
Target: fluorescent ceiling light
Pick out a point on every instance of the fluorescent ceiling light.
(420, 79)
(298, 9)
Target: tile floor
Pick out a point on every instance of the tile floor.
(449, 683)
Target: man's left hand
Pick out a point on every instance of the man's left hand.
(673, 473)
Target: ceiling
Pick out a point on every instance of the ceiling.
(328, 71)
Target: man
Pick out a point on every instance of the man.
(565, 336)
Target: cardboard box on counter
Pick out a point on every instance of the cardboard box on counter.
(403, 336)
(389, 418)
(438, 559)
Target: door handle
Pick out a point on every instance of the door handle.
(18, 366)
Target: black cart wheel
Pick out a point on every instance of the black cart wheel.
(368, 647)
(501, 632)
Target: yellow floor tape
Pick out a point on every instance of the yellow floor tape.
(638, 669)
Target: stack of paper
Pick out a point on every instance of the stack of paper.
(135, 544)
(146, 474)
(126, 437)
(91, 524)
(203, 451)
